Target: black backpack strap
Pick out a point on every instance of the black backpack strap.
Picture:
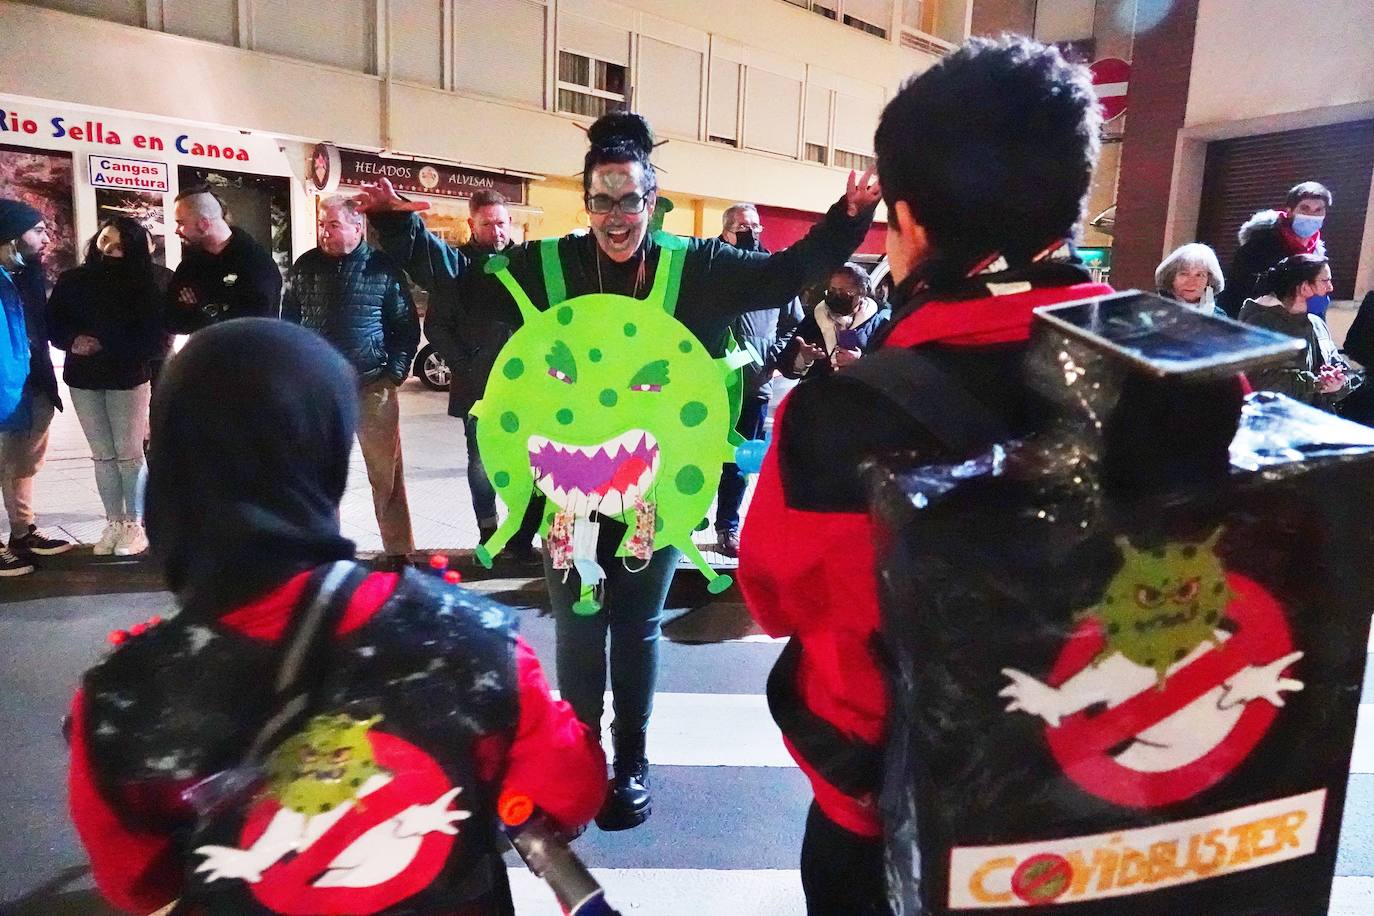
(930, 396)
(305, 655)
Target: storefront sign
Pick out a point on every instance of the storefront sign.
(22, 126)
(410, 176)
(129, 174)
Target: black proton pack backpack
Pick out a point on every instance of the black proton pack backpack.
(1126, 652)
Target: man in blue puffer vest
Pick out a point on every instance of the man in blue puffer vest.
(356, 298)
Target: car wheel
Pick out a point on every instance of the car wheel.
(431, 369)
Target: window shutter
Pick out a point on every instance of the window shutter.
(594, 39)
(294, 30)
(723, 109)
(855, 121)
(817, 127)
(417, 51)
(669, 88)
(498, 50)
(772, 108)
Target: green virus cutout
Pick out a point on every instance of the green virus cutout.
(1163, 603)
(323, 766)
(603, 402)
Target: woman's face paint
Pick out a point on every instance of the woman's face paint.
(620, 234)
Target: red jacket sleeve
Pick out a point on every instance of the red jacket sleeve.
(555, 759)
(136, 872)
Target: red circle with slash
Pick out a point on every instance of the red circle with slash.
(288, 885)
(1081, 743)
(1042, 879)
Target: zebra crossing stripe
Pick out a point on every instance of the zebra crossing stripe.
(676, 891)
(709, 730)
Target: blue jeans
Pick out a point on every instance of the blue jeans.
(631, 612)
(484, 495)
(753, 412)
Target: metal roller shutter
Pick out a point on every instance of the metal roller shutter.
(1248, 174)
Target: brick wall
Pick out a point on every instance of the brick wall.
(1160, 71)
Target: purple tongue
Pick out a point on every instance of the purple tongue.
(572, 470)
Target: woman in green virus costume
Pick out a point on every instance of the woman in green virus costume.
(611, 399)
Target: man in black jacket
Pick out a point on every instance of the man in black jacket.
(469, 340)
(223, 272)
(24, 437)
(766, 330)
(356, 298)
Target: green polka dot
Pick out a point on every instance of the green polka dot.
(693, 412)
(658, 524)
(608, 397)
(594, 355)
(550, 517)
(565, 315)
(501, 479)
(510, 422)
(690, 479)
(631, 330)
(514, 368)
(564, 416)
(685, 346)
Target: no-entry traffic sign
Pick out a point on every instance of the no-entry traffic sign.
(1111, 76)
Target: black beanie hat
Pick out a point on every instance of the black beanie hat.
(16, 218)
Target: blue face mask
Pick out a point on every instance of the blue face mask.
(1316, 305)
(1304, 226)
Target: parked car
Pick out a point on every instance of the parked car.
(431, 369)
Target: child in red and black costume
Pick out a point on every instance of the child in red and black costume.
(423, 706)
(985, 161)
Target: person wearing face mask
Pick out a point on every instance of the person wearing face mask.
(838, 331)
(717, 282)
(28, 395)
(1324, 378)
(766, 330)
(107, 315)
(1191, 275)
(1272, 235)
(974, 252)
(469, 341)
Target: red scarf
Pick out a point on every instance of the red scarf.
(1292, 241)
(983, 322)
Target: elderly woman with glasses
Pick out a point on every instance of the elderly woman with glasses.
(709, 281)
(1192, 275)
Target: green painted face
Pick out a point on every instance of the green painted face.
(323, 766)
(1164, 603)
(602, 400)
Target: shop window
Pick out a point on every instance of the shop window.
(589, 86)
(856, 161)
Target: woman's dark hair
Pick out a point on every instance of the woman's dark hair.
(621, 136)
(856, 273)
(993, 149)
(1283, 279)
(133, 238)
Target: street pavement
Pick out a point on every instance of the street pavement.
(729, 804)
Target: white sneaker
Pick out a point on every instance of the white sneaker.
(108, 538)
(131, 541)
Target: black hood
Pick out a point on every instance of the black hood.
(252, 424)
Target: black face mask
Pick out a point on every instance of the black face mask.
(840, 305)
(745, 241)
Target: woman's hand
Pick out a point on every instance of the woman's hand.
(1330, 379)
(808, 353)
(861, 194)
(841, 358)
(85, 345)
(382, 198)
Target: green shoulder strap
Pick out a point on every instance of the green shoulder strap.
(552, 265)
(668, 276)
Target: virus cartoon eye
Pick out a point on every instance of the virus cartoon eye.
(308, 754)
(1188, 591)
(1148, 596)
(651, 377)
(562, 366)
(341, 755)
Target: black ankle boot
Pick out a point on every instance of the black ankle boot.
(628, 802)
